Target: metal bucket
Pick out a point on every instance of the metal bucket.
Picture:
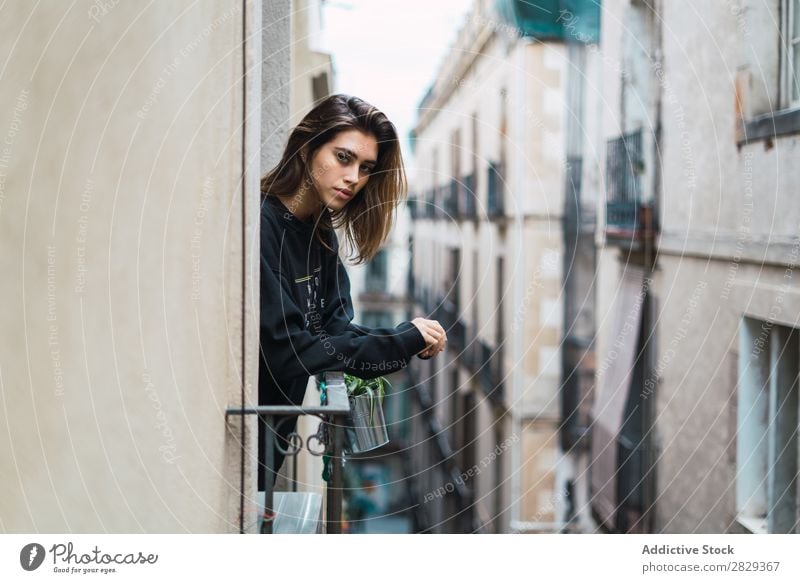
(366, 428)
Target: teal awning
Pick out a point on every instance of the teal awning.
(567, 20)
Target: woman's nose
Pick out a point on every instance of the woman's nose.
(351, 175)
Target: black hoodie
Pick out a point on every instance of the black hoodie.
(306, 314)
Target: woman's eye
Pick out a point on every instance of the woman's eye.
(366, 169)
(343, 157)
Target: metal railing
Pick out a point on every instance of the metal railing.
(446, 312)
(477, 356)
(624, 168)
(495, 206)
(451, 199)
(469, 206)
(413, 206)
(333, 412)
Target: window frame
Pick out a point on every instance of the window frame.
(790, 11)
(762, 422)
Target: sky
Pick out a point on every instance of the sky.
(388, 51)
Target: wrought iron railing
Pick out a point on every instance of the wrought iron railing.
(413, 206)
(628, 214)
(446, 312)
(333, 412)
(469, 203)
(424, 205)
(495, 205)
(451, 197)
(477, 356)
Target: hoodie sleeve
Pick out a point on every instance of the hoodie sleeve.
(290, 350)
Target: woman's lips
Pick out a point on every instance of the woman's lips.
(343, 194)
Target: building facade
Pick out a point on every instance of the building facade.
(488, 262)
(126, 214)
(695, 418)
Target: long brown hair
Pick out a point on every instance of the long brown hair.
(368, 218)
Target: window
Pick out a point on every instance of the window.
(376, 279)
(377, 319)
(767, 422)
(791, 60)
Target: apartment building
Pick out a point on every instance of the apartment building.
(489, 250)
(695, 416)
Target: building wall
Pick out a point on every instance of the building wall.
(121, 244)
(304, 22)
(308, 56)
(730, 231)
(527, 81)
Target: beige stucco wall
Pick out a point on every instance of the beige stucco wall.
(122, 252)
(528, 80)
(729, 232)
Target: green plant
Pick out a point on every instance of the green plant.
(373, 388)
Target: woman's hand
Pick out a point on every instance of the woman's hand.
(434, 335)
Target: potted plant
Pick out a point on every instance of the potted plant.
(367, 428)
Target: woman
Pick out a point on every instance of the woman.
(342, 168)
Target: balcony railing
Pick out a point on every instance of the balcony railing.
(451, 199)
(333, 412)
(455, 200)
(495, 206)
(629, 216)
(413, 206)
(429, 206)
(440, 203)
(469, 194)
(446, 313)
(477, 356)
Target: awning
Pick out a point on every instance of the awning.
(568, 20)
(614, 374)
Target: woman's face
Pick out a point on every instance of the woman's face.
(341, 168)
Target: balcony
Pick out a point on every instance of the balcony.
(468, 198)
(422, 206)
(629, 216)
(429, 205)
(451, 196)
(455, 200)
(478, 357)
(495, 206)
(440, 193)
(447, 314)
(414, 206)
(282, 511)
